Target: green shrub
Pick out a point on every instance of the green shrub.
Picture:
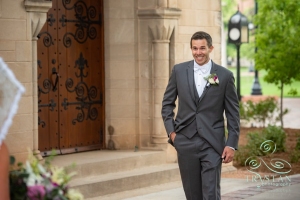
(267, 141)
(262, 112)
(277, 135)
(242, 155)
(295, 155)
(243, 111)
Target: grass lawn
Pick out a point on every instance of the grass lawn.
(246, 83)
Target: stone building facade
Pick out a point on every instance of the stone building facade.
(143, 39)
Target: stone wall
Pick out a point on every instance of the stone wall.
(16, 48)
(121, 71)
(143, 40)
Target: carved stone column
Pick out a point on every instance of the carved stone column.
(161, 22)
(161, 65)
(37, 15)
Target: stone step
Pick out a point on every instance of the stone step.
(166, 191)
(94, 163)
(104, 173)
(139, 177)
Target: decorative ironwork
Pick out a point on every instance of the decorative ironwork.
(51, 104)
(85, 22)
(47, 85)
(86, 96)
(40, 66)
(47, 40)
(51, 19)
(41, 122)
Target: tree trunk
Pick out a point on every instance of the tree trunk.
(281, 104)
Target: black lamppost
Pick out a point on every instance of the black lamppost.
(238, 33)
(256, 89)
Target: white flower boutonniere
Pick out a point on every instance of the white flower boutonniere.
(212, 79)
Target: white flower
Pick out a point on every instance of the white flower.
(74, 195)
(211, 80)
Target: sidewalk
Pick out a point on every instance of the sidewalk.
(231, 189)
(292, 118)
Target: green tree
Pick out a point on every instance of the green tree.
(278, 44)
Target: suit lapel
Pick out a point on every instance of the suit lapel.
(212, 71)
(190, 78)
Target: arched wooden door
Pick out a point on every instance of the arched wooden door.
(71, 77)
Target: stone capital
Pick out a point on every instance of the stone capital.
(159, 13)
(40, 6)
(37, 10)
(161, 33)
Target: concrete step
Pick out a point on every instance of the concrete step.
(94, 163)
(96, 186)
(103, 173)
(167, 191)
(106, 172)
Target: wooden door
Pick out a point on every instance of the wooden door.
(71, 77)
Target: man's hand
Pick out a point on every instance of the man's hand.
(172, 136)
(227, 155)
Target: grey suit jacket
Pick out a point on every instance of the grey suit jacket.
(204, 115)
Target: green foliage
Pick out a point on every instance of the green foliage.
(277, 41)
(268, 89)
(242, 155)
(16, 184)
(277, 135)
(262, 112)
(295, 154)
(243, 112)
(265, 142)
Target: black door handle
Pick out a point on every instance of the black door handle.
(54, 72)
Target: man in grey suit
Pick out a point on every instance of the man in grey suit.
(204, 91)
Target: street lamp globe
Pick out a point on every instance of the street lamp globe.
(238, 33)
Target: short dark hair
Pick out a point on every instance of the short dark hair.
(200, 35)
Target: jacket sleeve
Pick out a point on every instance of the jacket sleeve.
(168, 103)
(232, 113)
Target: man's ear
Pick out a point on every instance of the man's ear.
(211, 48)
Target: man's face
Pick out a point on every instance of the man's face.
(201, 51)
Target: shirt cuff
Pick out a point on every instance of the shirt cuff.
(232, 148)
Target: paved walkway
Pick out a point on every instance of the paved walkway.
(233, 188)
(292, 118)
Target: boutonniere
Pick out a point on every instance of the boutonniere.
(212, 79)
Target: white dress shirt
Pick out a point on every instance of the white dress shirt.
(200, 72)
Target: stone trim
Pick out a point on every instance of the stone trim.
(37, 16)
(41, 6)
(161, 33)
(160, 13)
